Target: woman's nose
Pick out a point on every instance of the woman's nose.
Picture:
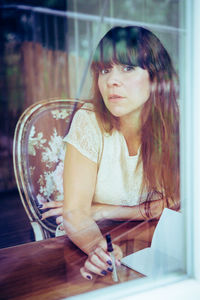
(114, 78)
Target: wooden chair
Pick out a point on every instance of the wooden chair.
(38, 154)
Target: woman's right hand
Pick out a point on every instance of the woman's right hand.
(99, 261)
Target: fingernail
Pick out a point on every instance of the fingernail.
(89, 277)
(103, 272)
(40, 205)
(110, 269)
(109, 262)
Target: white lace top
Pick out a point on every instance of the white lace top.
(117, 181)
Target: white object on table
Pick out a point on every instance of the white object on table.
(166, 253)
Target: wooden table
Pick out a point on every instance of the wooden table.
(50, 269)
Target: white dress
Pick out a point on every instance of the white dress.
(118, 182)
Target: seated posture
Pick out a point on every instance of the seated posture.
(122, 150)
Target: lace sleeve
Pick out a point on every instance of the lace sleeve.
(85, 134)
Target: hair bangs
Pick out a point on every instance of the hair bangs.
(118, 52)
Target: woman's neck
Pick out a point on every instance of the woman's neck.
(131, 129)
(130, 125)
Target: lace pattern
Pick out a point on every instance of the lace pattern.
(85, 135)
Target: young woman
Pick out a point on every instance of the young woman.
(122, 156)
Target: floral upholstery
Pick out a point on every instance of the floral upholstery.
(38, 156)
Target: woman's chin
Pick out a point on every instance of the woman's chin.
(118, 113)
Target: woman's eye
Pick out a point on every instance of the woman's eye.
(128, 68)
(104, 71)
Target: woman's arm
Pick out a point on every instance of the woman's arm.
(122, 213)
(79, 180)
(79, 185)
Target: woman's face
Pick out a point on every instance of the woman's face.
(124, 89)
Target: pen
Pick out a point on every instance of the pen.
(110, 250)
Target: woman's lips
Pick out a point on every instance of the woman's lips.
(115, 98)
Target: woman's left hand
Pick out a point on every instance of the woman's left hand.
(55, 208)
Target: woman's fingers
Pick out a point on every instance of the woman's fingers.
(98, 262)
(52, 212)
(55, 208)
(51, 204)
(87, 275)
(59, 220)
(100, 252)
(117, 251)
(94, 269)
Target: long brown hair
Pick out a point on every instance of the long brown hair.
(137, 46)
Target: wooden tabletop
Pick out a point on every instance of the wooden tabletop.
(50, 269)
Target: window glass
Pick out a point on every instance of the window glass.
(47, 53)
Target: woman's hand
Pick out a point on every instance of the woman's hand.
(99, 261)
(55, 208)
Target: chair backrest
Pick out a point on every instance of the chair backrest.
(38, 154)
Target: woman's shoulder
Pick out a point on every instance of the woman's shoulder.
(86, 108)
(86, 115)
(84, 133)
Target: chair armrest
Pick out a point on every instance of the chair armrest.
(38, 231)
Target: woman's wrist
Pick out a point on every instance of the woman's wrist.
(105, 211)
(97, 212)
